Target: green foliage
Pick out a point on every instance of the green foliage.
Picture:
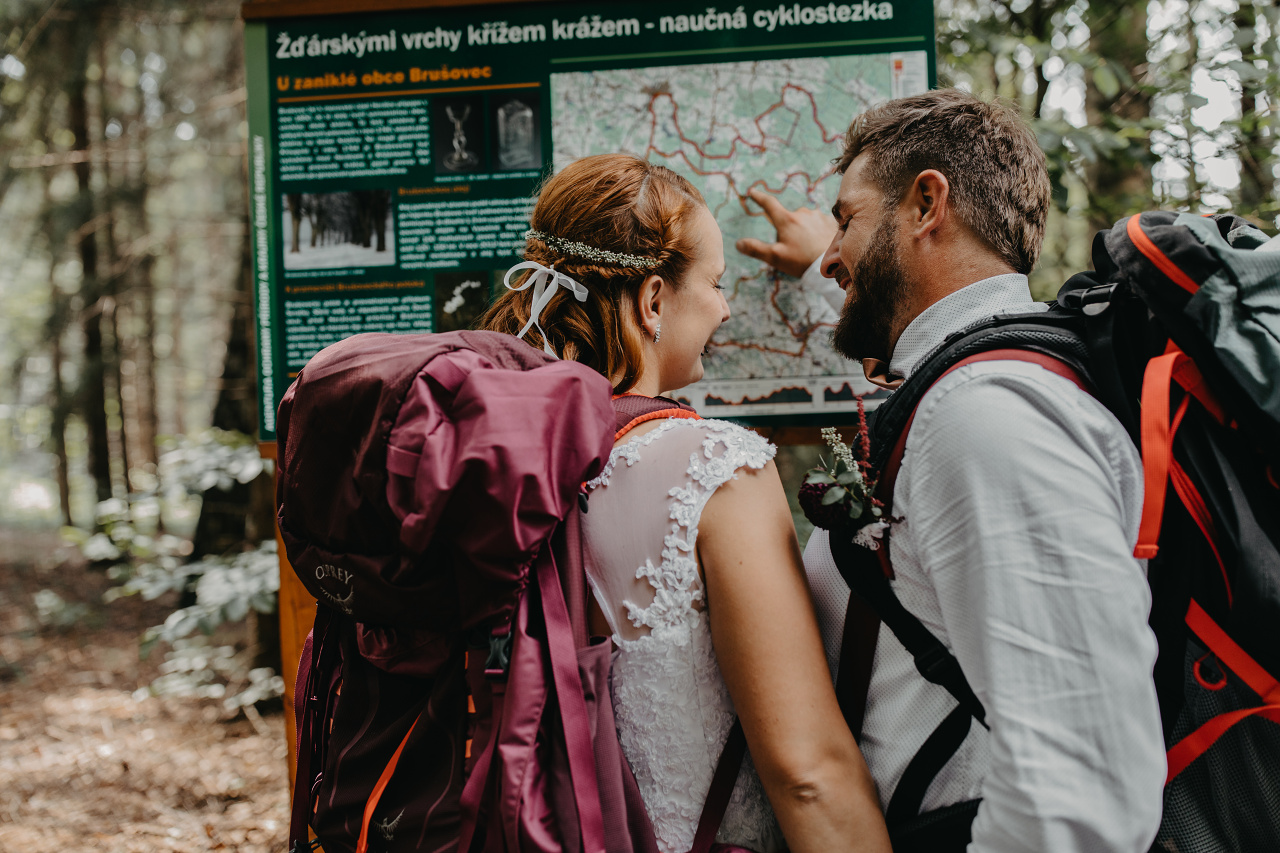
(226, 590)
(1137, 105)
(196, 668)
(53, 611)
(214, 458)
(220, 589)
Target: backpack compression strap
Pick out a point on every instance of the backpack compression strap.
(1158, 431)
(1245, 668)
(932, 658)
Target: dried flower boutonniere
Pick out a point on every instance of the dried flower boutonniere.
(840, 496)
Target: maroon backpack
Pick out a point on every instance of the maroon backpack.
(449, 697)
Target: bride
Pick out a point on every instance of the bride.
(690, 548)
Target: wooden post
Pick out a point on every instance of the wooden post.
(297, 610)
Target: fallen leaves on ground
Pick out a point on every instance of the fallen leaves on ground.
(89, 760)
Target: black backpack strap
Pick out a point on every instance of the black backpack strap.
(932, 658)
(868, 573)
(857, 655)
(925, 766)
(945, 830)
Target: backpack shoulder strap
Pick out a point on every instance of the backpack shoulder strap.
(634, 409)
(869, 578)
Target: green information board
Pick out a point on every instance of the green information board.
(394, 156)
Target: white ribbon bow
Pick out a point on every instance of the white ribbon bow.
(544, 282)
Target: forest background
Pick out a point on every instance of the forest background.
(127, 386)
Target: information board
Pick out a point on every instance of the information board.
(394, 157)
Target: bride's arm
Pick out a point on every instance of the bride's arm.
(769, 649)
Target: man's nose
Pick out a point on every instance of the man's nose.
(831, 258)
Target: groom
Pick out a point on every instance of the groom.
(1019, 495)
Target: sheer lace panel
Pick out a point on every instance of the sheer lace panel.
(671, 703)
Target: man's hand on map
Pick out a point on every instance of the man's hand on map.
(803, 235)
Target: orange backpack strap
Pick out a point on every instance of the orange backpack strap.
(1246, 669)
(634, 409)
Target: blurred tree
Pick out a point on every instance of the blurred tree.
(1254, 36)
(1118, 102)
(122, 194)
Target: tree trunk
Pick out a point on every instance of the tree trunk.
(1119, 182)
(246, 513)
(1257, 185)
(93, 396)
(229, 519)
(58, 408)
(1189, 127)
(380, 203)
(149, 420)
(116, 381)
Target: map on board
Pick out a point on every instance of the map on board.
(728, 127)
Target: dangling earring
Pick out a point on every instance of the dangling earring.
(657, 333)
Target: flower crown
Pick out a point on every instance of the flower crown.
(591, 253)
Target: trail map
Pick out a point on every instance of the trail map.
(729, 127)
(395, 153)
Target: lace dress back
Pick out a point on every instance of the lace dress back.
(672, 707)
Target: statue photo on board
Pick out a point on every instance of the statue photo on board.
(461, 160)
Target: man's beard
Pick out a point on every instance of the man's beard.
(877, 292)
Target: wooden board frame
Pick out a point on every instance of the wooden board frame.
(264, 10)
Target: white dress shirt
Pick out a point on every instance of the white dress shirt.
(1020, 497)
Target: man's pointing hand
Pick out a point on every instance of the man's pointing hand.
(802, 235)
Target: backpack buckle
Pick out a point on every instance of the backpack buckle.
(936, 663)
(498, 663)
(1092, 301)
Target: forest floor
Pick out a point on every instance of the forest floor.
(89, 761)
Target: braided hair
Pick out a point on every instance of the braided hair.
(618, 204)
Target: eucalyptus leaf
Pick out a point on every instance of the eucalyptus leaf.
(834, 495)
(848, 478)
(820, 478)
(1106, 81)
(236, 609)
(855, 509)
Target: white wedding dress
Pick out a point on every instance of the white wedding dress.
(672, 707)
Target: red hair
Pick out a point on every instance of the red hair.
(618, 203)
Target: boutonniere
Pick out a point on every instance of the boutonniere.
(839, 496)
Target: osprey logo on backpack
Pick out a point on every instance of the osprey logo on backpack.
(342, 576)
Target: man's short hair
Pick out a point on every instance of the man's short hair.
(999, 182)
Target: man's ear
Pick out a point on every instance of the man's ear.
(649, 303)
(929, 203)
